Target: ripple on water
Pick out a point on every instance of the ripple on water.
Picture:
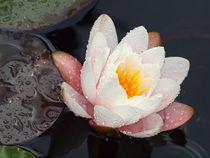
(190, 150)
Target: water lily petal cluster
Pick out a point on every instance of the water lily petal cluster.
(130, 86)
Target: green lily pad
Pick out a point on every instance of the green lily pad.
(33, 14)
(14, 152)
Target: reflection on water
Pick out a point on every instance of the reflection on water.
(72, 136)
(172, 144)
(178, 146)
(99, 147)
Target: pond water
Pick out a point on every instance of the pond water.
(184, 27)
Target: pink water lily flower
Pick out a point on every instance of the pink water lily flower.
(128, 86)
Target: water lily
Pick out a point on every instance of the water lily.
(128, 86)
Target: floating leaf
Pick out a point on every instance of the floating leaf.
(30, 100)
(14, 152)
(33, 14)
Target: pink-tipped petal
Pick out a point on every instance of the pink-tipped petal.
(175, 68)
(76, 102)
(154, 56)
(146, 127)
(137, 39)
(105, 117)
(133, 128)
(154, 40)
(129, 114)
(169, 89)
(69, 68)
(105, 25)
(175, 115)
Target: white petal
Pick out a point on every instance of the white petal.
(105, 117)
(105, 25)
(88, 82)
(175, 68)
(97, 46)
(147, 83)
(99, 63)
(151, 71)
(120, 53)
(150, 105)
(98, 53)
(75, 101)
(154, 55)
(151, 126)
(152, 76)
(169, 89)
(136, 100)
(134, 62)
(129, 114)
(109, 92)
(137, 39)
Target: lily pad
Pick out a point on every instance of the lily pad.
(12, 151)
(33, 14)
(30, 100)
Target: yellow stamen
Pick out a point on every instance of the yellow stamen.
(130, 81)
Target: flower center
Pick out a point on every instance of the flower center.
(130, 81)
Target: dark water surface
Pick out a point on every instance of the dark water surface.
(185, 30)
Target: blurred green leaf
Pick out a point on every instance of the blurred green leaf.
(14, 152)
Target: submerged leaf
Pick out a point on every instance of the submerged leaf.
(30, 100)
(12, 151)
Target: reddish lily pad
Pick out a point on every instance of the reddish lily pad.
(30, 100)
